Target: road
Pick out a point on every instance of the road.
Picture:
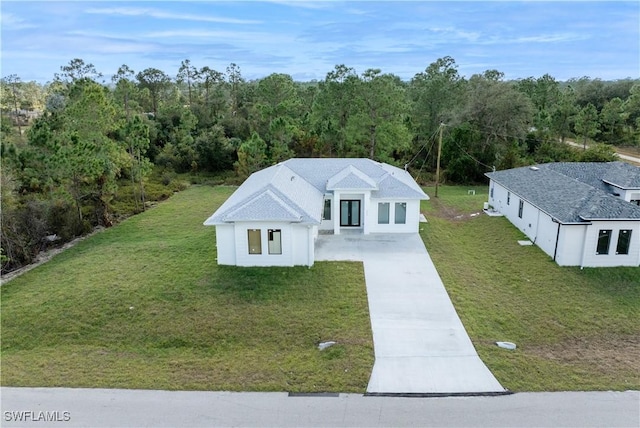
(129, 408)
(632, 159)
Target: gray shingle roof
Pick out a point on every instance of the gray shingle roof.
(266, 205)
(276, 194)
(570, 192)
(351, 178)
(293, 191)
(623, 175)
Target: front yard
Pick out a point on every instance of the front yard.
(144, 305)
(575, 329)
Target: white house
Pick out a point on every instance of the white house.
(583, 214)
(274, 217)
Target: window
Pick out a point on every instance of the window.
(326, 214)
(491, 192)
(401, 212)
(604, 238)
(520, 208)
(383, 212)
(624, 241)
(275, 241)
(508, 197)
(255, 241)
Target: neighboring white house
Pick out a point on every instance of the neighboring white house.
(583, 214)
(274, 217)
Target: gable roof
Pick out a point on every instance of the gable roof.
(293, 191)
(267, 205)
(571, 192)
(272, 194)
(351, 178)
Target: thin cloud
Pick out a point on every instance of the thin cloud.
(551, 38)
(470, 36)
(159, 14)
(235, 36)
(301, 4)
(9, 21)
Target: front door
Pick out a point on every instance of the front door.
(350, 213)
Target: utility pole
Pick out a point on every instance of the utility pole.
(439, 153)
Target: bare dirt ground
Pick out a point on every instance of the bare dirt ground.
(605, 354)
(629, 151)
(450, 213)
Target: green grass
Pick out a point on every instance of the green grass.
(144, 305)
(575, 329)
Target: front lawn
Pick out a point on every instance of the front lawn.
(575, 329)
(144, 305)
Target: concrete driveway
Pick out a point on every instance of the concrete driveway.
(420, 344)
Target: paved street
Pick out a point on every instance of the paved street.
(419, 341)
(134, 408)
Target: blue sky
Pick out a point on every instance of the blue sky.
(307, 39)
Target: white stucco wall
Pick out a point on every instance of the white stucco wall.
(571, 244)
(632, 195)
(626, 194)
(546, 233)
(412, 220)
(509, 206)
(226, 244)
(369, 214)
(591, 259)
(302, 251)
(294, 241)
(328, 224)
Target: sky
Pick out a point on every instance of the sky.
(307, 39)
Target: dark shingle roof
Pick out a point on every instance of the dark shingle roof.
(573, 192)
(623, 175)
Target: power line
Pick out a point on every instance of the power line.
(472, 157)
(432, 139)
(425, 158)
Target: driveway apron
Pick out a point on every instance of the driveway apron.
(420, 344)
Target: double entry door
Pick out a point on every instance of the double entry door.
(350, 212)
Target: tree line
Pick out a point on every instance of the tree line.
(63, 170)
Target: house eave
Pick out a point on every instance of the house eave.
(220, 223)
(621, 187)
(610, 219)
(352, 189)
(398, 198)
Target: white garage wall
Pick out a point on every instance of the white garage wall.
(226, 244)
(571, 244)
(302, 245)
